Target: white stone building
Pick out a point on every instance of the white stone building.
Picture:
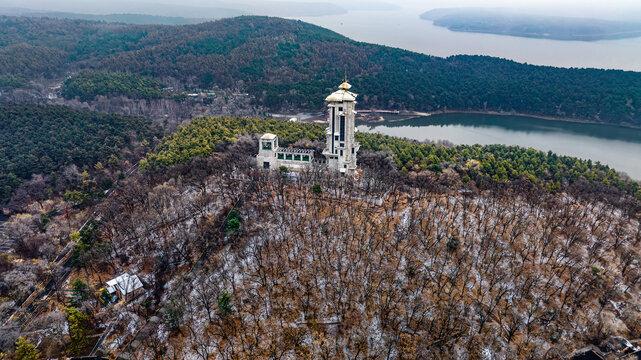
(340, 149)
(271, 156)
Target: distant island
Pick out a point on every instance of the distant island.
(513, 23)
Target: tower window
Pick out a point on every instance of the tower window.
(342, 128)
(333, 125)
(341, 152)
(340, 108)
(352, 150)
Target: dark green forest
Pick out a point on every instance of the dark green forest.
(89, 85)
(292, 64)
(45, 139)
(472, 162)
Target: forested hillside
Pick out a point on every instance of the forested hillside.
(291, 64)
(238, 262)
(469, 162)
(44, 140)
(88, 86)
(432, 252)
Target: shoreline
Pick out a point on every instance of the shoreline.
(417, 114)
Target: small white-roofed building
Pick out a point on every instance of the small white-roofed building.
(124, 287)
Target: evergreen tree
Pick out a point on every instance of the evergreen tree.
(25, 350)
(224, 304)
(78, 322)
(174, 312)
(80, 292)
(317, 189)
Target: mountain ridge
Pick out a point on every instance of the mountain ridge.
(289, 64)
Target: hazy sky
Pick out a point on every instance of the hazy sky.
(622, 9)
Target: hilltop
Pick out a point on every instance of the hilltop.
(287, 64)
(240, 262)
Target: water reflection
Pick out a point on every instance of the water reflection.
(618, 147)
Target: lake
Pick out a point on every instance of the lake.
(404, 29)
(618, 147)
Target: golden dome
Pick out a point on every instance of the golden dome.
(345, 86)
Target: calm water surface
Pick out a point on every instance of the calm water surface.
(404, 28)
(618, 147)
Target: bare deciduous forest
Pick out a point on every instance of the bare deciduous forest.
(241, 266)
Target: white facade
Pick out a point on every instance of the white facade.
(341, 148)
(271, 156)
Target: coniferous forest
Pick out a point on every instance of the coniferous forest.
(44, 140)
(291, 64)
(88, 86)
(472, 162)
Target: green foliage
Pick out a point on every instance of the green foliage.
(174, 312)
(80, 292)
(12, 81)
(224, 308)
(316, 189)
(233, 225)
(76, 197)
(233, 221)
(87, 240)
(78, 323)
(283, 170)
(106, 183)
(200, 137)
(286, 63)
(436, 168)
(105, 296)
(471, 162)
(89, 85)
(25, 350)
(498, 162)
(44, 139)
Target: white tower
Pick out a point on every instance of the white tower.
(341, 148)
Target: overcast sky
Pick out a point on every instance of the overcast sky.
(623, 9)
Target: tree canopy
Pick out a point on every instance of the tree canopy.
(473, 162)
(89, 85)
(43, 140)
(292, 64)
